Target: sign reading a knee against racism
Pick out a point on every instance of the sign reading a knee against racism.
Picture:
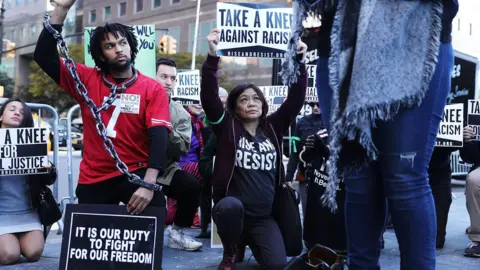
(145, 60)
(23, 151)
(187, 90)
(253, 30)
(450, 132)
(275, 95)
(107, 237)
(473, 116)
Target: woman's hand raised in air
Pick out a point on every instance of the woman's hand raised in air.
(212, 39)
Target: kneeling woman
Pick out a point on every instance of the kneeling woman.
(248, 163)
(20, 230)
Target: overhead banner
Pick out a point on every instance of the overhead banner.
(145, 59)
(187, 90)
(450, 132)
(108, 237)
(474, 117)
(275, 96)
(253, 30)
(23, 151)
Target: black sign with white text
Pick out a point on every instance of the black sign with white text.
(463, 83)
(23, 151)
(108, 237)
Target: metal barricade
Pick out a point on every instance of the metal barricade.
(71, 191)
(459, 168)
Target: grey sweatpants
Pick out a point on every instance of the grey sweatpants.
(472, 194)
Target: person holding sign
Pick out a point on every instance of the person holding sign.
(320, 226)
(134, 109)
(20, 229)
(247, 171)
(181, 187)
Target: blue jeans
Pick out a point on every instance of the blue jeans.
(398, 178)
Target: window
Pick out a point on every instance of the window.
(138, 5)
(33, 30)
(107, 12)
(156, 3)
(22, 33)
(175, 1)
(17, 3)
(92, 16)
(458, 24)
(12, 35)
(204, 29)
(122, 9)
(26, 2)
(471, 29)
(9, 3)
(265, 62)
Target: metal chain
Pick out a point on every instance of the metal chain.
(82, 91)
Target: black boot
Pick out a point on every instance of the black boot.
(229, 258)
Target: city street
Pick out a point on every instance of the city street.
(450, 257)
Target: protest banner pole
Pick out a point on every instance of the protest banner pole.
(194, 51)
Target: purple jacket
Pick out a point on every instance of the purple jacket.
(191, 156)
(228, 129)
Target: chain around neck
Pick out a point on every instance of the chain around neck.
(123, 86)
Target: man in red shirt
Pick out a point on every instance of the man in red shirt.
(137, 122)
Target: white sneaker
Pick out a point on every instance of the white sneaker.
(178, 240)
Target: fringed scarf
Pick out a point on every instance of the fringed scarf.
(383, 56)
(197, 125)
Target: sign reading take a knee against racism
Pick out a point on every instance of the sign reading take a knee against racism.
(108, 237)
(450, 132)
(187, 90)
(23, 151)
(253, 30)
(473, 117)
(145, 60)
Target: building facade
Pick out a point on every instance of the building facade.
(466, 28)
(22, 25)
(177, 18)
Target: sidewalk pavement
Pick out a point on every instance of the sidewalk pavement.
(449, 258)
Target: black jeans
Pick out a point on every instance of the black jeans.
(114, 191)
(441, 185)
(261, 234)
(186, 190)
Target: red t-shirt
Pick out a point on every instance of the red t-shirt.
(143, 105)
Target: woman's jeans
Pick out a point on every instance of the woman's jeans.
(399, 177)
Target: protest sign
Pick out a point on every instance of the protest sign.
(23, 151)
(473, 116)
(275, 96)
(253, 30)
(311, 94)
(464, 77)
(108, 237)
(450, 132)
(145, 60)
(187, 90)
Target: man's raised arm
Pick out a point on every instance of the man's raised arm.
(46, 54)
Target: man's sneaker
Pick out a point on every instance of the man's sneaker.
(473, 250)
(178, 240)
